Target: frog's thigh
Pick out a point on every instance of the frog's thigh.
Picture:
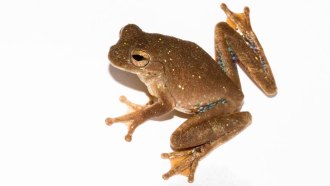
(199, 130)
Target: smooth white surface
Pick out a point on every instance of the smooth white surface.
(56, 91)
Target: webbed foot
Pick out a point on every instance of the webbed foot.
(184, 162)
(238, 21)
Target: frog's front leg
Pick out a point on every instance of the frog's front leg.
(141, 113)
(198, 136)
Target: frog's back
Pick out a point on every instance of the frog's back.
(196, 81)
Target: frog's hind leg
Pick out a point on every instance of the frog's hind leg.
(196, 137)
(225, 56)
(236, 43)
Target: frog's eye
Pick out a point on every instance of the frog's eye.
(140, 58)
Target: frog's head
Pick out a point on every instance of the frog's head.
(133, 52)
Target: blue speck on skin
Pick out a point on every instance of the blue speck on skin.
(209, 106)
(257, 52)
(221, 62)
(233, 55)
(263, 64)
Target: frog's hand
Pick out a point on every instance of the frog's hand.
(236, 42)
(140, 114)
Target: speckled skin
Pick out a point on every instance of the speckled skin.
(182, 76)
(182, 67)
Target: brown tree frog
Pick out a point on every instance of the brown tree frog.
(180, 75)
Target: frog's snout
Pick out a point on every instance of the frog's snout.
(118, 57)
(112, 53)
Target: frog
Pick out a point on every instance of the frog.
(180, 75)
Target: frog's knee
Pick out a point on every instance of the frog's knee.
(222, 26)
(188, 136)
(181, 140)
(176, 140)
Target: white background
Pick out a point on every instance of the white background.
(56, 89)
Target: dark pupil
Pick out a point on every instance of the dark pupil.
(138, 57)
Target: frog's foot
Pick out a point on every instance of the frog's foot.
(184, 162)
(132, 119)
(238, 21)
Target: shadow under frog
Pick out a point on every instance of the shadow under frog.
(181, 76)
